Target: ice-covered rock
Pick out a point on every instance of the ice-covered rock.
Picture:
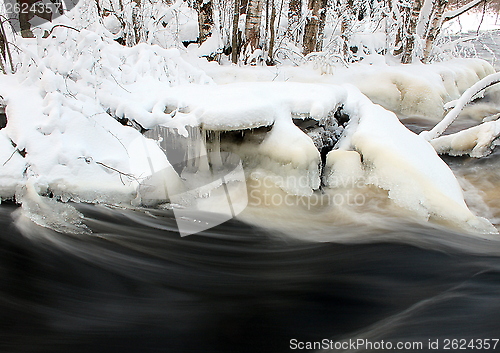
(374, 148)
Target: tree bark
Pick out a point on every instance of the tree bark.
(243, 5)
(345, 27)
(25, 18)
(137, 22)
(234, 41)
(314, 26)
(270, 60)
(294, 15)
(252, 25)
(438, 7)
(205, 19)
(409, 41)
(402, 29)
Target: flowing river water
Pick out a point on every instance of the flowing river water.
(134, 285)
(273, 280)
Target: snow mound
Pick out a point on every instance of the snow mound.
(397, 160)
(61, 135)
(417, 89)
(476, 141)
(411, 90)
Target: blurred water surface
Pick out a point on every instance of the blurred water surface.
(134, 285)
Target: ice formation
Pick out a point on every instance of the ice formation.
(374, 146)
(80, 107)
(477, 141)
(408, 90)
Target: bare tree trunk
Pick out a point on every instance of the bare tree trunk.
(294, 15)
(137, 22)
(268, 5)
(345, 26)
(402, 31)
(314, 25)
(434, 27)
(243, 6)
(409, 41)
(234, 41)
(321, 29)
(252, 25)
(205, 19)
(3, 48)
(270, 59)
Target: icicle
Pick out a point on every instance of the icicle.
(215, 155)
(193, 149)
(202, 158)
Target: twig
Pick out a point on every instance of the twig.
(12, 155)
(116, 170)
(88, 160)
(126, 90)
(65, 26)
(482, 19)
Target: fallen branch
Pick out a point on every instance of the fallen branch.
(476, 141)
(465, 99)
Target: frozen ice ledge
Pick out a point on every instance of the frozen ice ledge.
(307, 137)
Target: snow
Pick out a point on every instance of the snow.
(11, 168)
(476, 141)
(473, 21)
(343, 168)
(409, 90)
(470, 94)
(395, 159)
(79, 101)
(290, 155)
(406, 165)
(57, 113)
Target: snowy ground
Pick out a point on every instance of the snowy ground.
(79, 101)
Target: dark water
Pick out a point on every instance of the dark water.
(134, 285)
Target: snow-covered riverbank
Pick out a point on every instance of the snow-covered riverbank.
(79, 104)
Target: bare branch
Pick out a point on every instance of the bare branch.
(56, 26)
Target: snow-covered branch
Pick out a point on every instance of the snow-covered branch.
(465, 99)
(476, 141)
(450, 15)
